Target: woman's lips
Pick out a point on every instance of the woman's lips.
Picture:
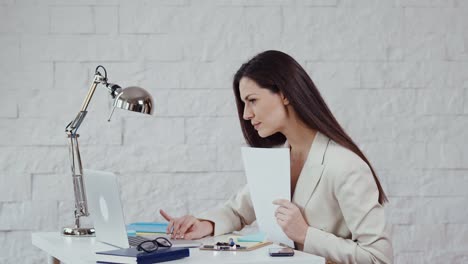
(256, 126)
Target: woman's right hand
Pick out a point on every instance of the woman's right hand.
(187, 227)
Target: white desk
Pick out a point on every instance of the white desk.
(73, 250)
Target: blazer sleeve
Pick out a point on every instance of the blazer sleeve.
(357, 195)
(236, 213)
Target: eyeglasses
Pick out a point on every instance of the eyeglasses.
(149, 246)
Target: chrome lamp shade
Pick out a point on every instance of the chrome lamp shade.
(134, 99)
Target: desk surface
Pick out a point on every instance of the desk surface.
(81, 250)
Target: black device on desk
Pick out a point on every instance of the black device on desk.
(281, 252)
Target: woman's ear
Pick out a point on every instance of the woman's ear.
(284, 99)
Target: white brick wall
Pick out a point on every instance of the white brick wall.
(393, 71)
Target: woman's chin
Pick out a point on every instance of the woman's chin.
(263, 134)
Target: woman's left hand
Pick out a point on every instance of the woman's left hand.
(290, 218)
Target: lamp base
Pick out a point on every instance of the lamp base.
(78, 231)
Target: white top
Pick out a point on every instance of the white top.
(73, 250)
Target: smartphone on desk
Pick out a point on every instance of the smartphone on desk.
(281, 252)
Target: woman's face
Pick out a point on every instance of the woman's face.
(265, 110)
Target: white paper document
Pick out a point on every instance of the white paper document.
(268, 178)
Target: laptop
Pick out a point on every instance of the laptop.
(105, 207)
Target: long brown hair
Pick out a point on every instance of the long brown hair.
(279, 72)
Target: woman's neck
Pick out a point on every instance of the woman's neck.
(300, 137)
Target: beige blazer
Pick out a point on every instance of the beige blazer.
(338, 197)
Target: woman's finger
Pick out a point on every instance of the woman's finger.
(170, 227)
(165, 215)
(189, 222)
(283, 202)
(177, 224)
(282, 217)
(282, 210)
(281, 223)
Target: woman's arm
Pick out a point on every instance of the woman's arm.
(236, 213)
(357, 195)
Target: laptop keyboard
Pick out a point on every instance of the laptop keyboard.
(136, 240)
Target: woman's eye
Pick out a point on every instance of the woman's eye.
(252, 100)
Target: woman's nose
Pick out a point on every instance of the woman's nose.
(247, 113)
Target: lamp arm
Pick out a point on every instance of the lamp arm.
(81, 205)
(73, 126)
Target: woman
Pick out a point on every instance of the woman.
(337, 200)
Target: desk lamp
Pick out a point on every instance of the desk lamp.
(131, 98)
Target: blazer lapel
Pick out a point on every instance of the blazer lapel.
(311, 171)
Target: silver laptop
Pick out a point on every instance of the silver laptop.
(106, 211)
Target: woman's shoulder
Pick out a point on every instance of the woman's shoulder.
(341, 159)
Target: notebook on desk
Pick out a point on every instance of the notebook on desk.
(107, 214)
(131, 255)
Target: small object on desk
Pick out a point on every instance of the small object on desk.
(132, 255)
(281, 252)
(209, 246)
(232, 246)
(224, 248)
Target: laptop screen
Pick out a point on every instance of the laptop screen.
(105, 207)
